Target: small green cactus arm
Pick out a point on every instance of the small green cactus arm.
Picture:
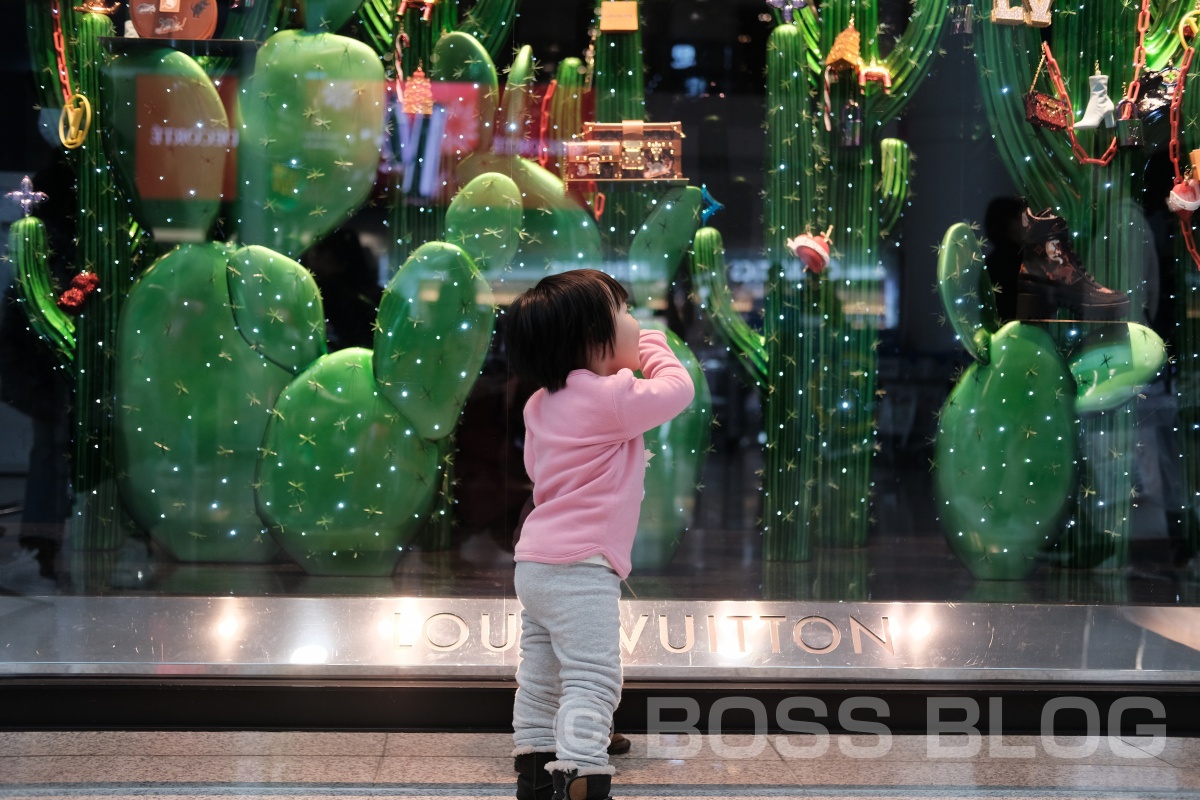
(893, 185)
(435, 322)
(966, 291)
(514, 118)
(662, 240)
(708, 277)
(276, 307)
(28, 248)
(460, 57)
(1114, 363)
(566, 112)
(484, 219)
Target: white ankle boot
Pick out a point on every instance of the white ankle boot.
(1099, 107)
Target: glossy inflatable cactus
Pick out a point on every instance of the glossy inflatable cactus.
(209, 338)
(241, 425)
(309, 143)
(153, 97)
(350, 462)
(29, 250)
(1008, 438)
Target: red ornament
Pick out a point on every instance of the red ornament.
(812, 250)
(82, 285)
(1184, 198)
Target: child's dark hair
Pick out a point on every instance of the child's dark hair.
(557, 325)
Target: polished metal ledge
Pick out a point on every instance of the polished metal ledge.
(415, 638)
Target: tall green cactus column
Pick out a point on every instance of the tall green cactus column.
(100, 226)
(818, 350)
(1100, 204)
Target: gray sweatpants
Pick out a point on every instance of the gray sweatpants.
(569, 677)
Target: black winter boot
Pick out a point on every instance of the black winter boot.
(533, 781)
(1052, 276)
(573, 786)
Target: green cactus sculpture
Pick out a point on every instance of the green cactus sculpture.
(815, 363)
(309, 147)
(210, 337)
(673, 474)
(104, 249)
(237, 424)
(30, 249)
(1101, 203)
(1007, 449)
(360, 468)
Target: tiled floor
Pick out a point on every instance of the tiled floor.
(312, 766)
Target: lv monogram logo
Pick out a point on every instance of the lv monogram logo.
(1028, 12)
(75, 122)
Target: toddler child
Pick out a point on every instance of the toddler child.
(573, 337)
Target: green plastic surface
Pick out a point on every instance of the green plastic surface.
(345, 481)
(966, 291)
(167, 89)
(1006, 448)
(435, 323)
(1114, 363)
(674, 470)
(194, 400)
(308, 151)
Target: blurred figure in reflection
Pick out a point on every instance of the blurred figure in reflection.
(32, 382)
(350, 290)
(1002, 228)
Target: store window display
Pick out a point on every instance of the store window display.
(300, 229)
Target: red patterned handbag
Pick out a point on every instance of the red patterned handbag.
(1044, 110)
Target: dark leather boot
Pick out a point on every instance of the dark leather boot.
(533, 781)
(1052, 276)
(573, 786)
(618, 745)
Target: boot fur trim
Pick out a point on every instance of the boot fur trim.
(571, 766)
(525, 749)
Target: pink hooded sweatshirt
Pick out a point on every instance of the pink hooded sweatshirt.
(585, 454)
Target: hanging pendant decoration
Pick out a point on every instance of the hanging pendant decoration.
(845, 53)
(26, 197)
(75, 121)
(424, 6)
(1129, 125)
(851, 121)
(418, 93)
(1043, 110)
(82, 286)
(875, 73)
(842, 57)
(962, 19)
(1099, 106)
(813, 251)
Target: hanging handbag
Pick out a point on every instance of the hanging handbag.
(1044, 110)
